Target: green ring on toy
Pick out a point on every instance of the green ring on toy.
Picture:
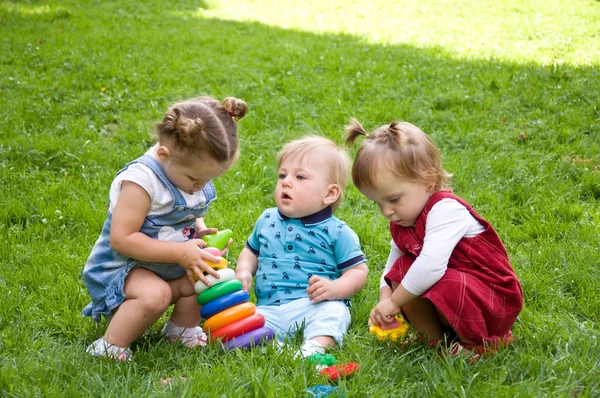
(226, 274)
(238, 328)
(224, 302)
(216, 291)
(229, 315)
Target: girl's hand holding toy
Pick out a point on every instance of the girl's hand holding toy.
(194, 259)
(199, 262)
(384, 312)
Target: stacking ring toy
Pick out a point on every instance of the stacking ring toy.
(219, 290)
(216, 266)
(252, 338)
(229, 315)
(213, 250)
(238, 328)
(224, 302)
(226, 274)
(220, 265)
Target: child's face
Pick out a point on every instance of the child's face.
(304, 187)
(401, 202)
(192, 173)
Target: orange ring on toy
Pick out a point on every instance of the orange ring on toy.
(230, 315)
(238, 328)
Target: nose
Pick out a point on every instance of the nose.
(387, 211)
(286, 182)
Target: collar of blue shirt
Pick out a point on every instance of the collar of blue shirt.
(315, 218)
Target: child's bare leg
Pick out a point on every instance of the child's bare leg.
(445, 322)
(186, 311)
(422, 316)
(148, 297)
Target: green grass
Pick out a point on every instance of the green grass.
(508, 89)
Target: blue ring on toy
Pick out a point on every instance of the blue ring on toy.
(222, 303)
(251, 339)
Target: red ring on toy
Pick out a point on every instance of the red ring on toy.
(229, 315)
(238, 328)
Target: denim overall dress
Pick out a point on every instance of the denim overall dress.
(105, 271)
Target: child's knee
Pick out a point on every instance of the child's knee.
(156, 300)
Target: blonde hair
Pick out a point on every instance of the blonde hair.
(400, 147)
(204, 126)
(321, 148)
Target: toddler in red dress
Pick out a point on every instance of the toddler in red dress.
(448, 272)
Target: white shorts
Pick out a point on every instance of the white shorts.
(327, 318)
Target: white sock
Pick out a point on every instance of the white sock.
(311, 347)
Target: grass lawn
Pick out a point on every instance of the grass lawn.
(509, 89)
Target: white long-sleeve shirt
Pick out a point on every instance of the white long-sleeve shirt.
(447, 223)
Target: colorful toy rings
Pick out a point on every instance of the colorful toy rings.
(219, 290)
(225, 274)
(224, 302)
(252, 338)
(238, 328)
(229, 315)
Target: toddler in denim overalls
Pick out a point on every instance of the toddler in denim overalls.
(149, 248)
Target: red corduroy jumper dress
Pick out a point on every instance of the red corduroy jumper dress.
(479, 294)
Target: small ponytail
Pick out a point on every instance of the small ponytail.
(353, 130)
(400, 148)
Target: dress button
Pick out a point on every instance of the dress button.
(290, 247)
(290, 229)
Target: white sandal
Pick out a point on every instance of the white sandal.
(189, 337)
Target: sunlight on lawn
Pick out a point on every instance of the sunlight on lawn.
(549, 33)
(29, 9)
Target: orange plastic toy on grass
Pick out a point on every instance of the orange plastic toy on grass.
(398, 328)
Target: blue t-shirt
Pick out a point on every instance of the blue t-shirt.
(291, 250)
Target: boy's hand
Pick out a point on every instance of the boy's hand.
(245, 277)
(320, 289)
(193, 259)
(384, 312)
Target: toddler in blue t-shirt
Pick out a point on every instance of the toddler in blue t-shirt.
(307, 262)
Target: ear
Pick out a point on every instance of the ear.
(431, 177)
(333, 193)
(163, 153)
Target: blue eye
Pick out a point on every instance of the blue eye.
(281, 176)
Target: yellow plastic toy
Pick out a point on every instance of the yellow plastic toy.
(398, 328)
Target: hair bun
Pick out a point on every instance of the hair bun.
(188, 129)
(236, 107)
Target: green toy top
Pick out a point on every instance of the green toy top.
(219, 239)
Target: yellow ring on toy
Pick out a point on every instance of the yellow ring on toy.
(226, 274)
(230, 315)
(216, 266)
